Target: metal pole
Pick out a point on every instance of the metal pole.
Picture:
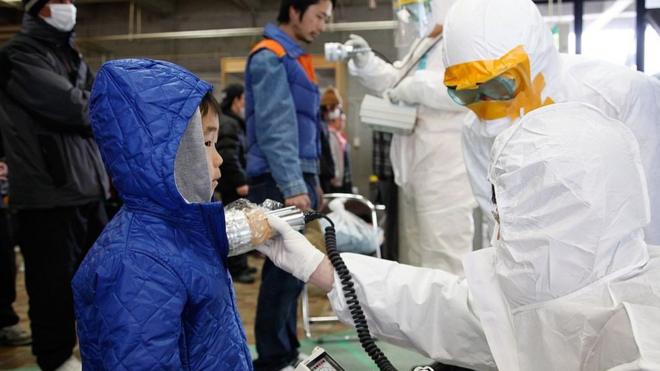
(235, 32)
(639, 31)
(131, 18)
(578, 14)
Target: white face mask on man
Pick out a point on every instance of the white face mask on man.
(62, 16)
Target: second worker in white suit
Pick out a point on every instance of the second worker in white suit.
(436, 202)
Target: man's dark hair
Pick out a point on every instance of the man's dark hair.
(209, 103)
(299, 5)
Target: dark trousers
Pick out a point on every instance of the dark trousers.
(8, 316)
(387, 194)
(237, 264)
(275, 325)
(54, 242)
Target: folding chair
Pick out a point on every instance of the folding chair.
(360, 206)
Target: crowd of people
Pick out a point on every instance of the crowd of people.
(561, 150)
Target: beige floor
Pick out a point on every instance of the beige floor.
(18, 357)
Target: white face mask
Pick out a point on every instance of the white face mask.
(62, 16)
(241, 113)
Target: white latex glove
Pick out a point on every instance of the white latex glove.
(360, 59)
(404, 92)
(290, 251)
(392, 96)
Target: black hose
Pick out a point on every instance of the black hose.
(360, 321)
(381, 56)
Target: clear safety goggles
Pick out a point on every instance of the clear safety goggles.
(501, 88)
(497, 88)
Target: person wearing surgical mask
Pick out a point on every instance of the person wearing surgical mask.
(334, 120)
(59, 183)
(501, 63)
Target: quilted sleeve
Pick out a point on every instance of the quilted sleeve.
(139, 304)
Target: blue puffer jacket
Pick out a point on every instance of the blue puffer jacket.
(154, 292)
(306, 99)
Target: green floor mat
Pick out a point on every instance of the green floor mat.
(351, 356)
(348, 353)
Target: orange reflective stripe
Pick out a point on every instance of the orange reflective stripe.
(271, 45)
(305, 61)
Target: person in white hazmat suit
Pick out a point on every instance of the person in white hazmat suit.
(483, 37)
(569, 282)
(428, 164)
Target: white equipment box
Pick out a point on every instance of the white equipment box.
(381, 115)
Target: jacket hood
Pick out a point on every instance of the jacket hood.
(572, 201)
(147, 124)
(477, 30)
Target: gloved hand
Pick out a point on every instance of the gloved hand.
(391, 95)
(404, 92)
(361, 59)
(290, 251)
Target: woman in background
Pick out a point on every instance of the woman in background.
(334, 118)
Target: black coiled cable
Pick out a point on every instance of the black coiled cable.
(360, 321)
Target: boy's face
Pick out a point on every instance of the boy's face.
(211, 128)
(313, 22)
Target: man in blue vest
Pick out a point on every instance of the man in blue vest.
(282, 112)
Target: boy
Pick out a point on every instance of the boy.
(154, 292)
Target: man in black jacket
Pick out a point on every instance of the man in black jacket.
(58, 182)
(232, 146)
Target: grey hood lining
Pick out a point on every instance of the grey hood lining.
(191, 172)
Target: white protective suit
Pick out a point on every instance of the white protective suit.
(487, 29)
(570, 284)
(428, 165)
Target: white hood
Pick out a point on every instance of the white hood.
(439, 10)
(572, 201)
